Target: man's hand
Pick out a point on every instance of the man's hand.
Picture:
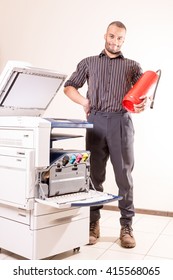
(86, 107)
(138, 108)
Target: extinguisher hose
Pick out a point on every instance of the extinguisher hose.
(154, 94)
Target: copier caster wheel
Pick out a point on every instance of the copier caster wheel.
(76, 250)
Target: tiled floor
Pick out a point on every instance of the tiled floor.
(154, 237)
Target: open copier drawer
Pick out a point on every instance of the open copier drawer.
(45, 192)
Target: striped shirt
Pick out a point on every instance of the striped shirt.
(108, 80)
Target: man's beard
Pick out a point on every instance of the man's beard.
(111, 50)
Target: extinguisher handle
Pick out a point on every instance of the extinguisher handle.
(154, 94)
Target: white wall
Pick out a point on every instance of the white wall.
(56, 34)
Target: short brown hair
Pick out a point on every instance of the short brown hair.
(118, 24)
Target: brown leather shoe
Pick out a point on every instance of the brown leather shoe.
(126, 237)
(94, 232)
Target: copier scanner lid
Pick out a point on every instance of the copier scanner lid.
(27, 91)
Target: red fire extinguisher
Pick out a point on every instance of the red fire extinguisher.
(142, 87)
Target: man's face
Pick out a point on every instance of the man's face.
(114, 38)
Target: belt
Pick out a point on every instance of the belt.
(120, 113)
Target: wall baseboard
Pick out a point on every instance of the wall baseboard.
(142, 211)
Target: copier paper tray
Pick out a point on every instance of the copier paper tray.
(79, 199)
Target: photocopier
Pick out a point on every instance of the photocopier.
(45, 192)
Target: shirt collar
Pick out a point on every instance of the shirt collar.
(104, 54)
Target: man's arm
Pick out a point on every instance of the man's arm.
(76, 97)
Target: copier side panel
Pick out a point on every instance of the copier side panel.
(16, 237)
(27, 132)
(17, 174)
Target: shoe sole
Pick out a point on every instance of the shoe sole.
(128, 246)
(94, 241)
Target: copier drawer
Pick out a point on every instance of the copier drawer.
(45, 216)
(17, 138)
(15, 214)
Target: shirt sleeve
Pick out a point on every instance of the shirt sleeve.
(137, 73)
(79, 77)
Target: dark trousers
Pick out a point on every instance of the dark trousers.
(112, 136)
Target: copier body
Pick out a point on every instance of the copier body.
(29, 228)
(32, 171)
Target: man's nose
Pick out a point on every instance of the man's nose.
(115, 41)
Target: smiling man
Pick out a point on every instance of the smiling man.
(109, 77)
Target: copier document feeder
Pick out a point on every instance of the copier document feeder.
(45, 192)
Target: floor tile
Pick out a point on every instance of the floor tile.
(169, 228)
(163, 247)
(152, 224)
(154, 258)
(117, 255)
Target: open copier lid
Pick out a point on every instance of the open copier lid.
(27, 91)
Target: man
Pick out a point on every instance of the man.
(109, 76)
